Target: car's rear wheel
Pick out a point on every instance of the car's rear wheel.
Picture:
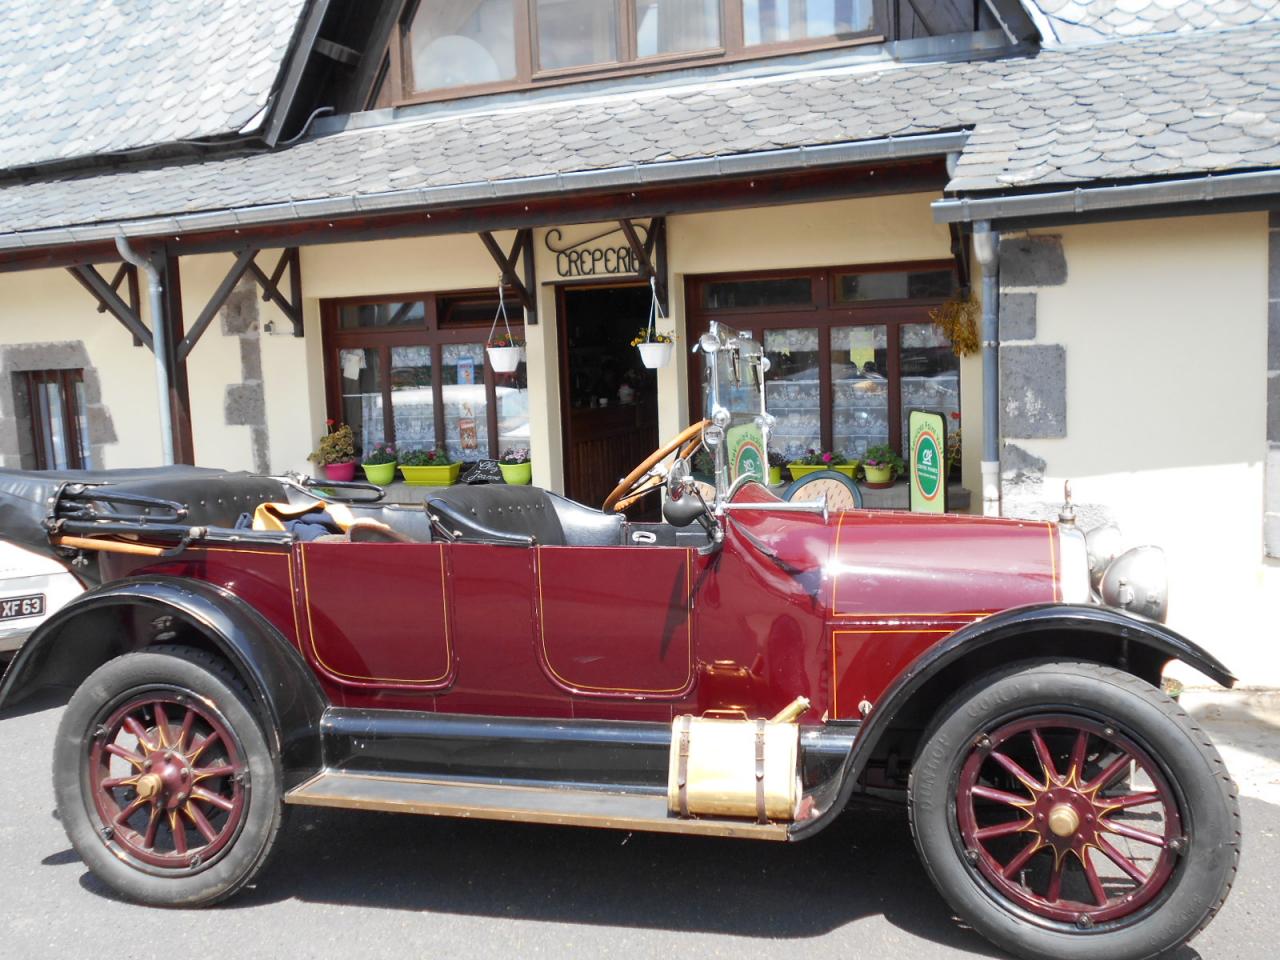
(164, 780)
(1069, 810)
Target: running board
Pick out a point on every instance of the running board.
(527, 804)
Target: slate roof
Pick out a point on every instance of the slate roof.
(1156, 106)
(1085, 21)
(83, 77)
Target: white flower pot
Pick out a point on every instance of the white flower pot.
(505, 359)
(655, 355)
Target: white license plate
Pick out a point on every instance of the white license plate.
(15, 608)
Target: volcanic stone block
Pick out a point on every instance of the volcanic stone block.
(1032, 262)
(1017, 316)
(1033, 391)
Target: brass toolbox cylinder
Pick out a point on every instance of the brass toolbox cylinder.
(733, 768)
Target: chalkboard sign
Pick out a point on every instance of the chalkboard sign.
(483, 471)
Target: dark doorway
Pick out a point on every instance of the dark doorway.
(609, 399)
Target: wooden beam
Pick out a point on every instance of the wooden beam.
(960, 251)
(644, 254)
(243, 262)
(295, 289)
(94, 282)
(184, 450)
(525, 239)
(923, 175)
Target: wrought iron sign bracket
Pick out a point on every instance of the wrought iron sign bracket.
(522, 283)
(109, 299)
(246, 263)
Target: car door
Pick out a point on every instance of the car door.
(376, 615)
(616, 621)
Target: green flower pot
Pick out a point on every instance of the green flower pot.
(380, 473)
(775, 476)
(879, 477)
(517, 474)
(431, 476)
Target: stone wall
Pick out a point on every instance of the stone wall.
(245, 404)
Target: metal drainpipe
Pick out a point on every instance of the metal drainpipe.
(155, 291)
(986, 246)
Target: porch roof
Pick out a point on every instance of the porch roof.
(89, 77)
(1122, 110)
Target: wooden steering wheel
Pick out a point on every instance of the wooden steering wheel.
(642, 480)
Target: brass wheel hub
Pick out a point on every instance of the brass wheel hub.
(149, 785)
(1063, 820)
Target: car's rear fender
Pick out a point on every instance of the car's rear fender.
(1088, 633)
(134, 614)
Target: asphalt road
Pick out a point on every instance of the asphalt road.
(380, 885)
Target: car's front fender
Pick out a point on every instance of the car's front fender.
(1069, 631)
(129, 615)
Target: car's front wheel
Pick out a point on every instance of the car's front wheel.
(164, 780)
(1072, 811)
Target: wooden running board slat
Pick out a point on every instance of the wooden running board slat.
(555, 805)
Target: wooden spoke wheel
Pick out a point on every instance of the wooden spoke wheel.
(165, 782)
(1072, 810)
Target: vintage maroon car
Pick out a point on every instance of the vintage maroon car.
(746, 667)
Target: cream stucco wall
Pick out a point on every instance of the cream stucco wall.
(1164, 325)
(49, 306)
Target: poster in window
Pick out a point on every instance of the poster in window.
(466, 370)
(467, 434)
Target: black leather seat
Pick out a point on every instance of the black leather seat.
(520, 515)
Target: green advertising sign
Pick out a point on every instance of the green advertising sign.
(927, 461)
(745, 446)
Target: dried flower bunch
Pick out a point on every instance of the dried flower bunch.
(958, 320)
(337, 446)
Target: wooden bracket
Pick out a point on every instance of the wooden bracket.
(291, 306)
(523, 283)
(109, 300)
(246, 263)
(651, 255)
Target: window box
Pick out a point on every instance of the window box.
(432, 476)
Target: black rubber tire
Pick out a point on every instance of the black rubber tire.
(1202, 878)
(209, 678)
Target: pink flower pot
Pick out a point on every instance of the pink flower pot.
(341, 472)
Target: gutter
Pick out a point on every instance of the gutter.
(1092, 200)
(159, 342)
(480, 192)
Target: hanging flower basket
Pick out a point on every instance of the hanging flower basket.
(655, 347)
(655, 355)
(505, 359)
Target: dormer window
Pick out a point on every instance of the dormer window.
(455, 48)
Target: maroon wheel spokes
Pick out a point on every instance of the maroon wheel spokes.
(167, 779)
(1068, 818)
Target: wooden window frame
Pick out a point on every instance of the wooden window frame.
(430, 334)
(731, 49)
(824, 313)
(66, 380)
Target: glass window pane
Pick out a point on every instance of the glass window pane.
(463, 311)
(466, 407)
(779, 21)
(413, 409)
(512, 392)
(461, 43)
(82, 425)
(575, 33)
(365, 316)
(675, 26)
(860, 401)
(361, 378)
(930, 374)
(55, 427)
(899, 285)
(793, 391)
(750, 294)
